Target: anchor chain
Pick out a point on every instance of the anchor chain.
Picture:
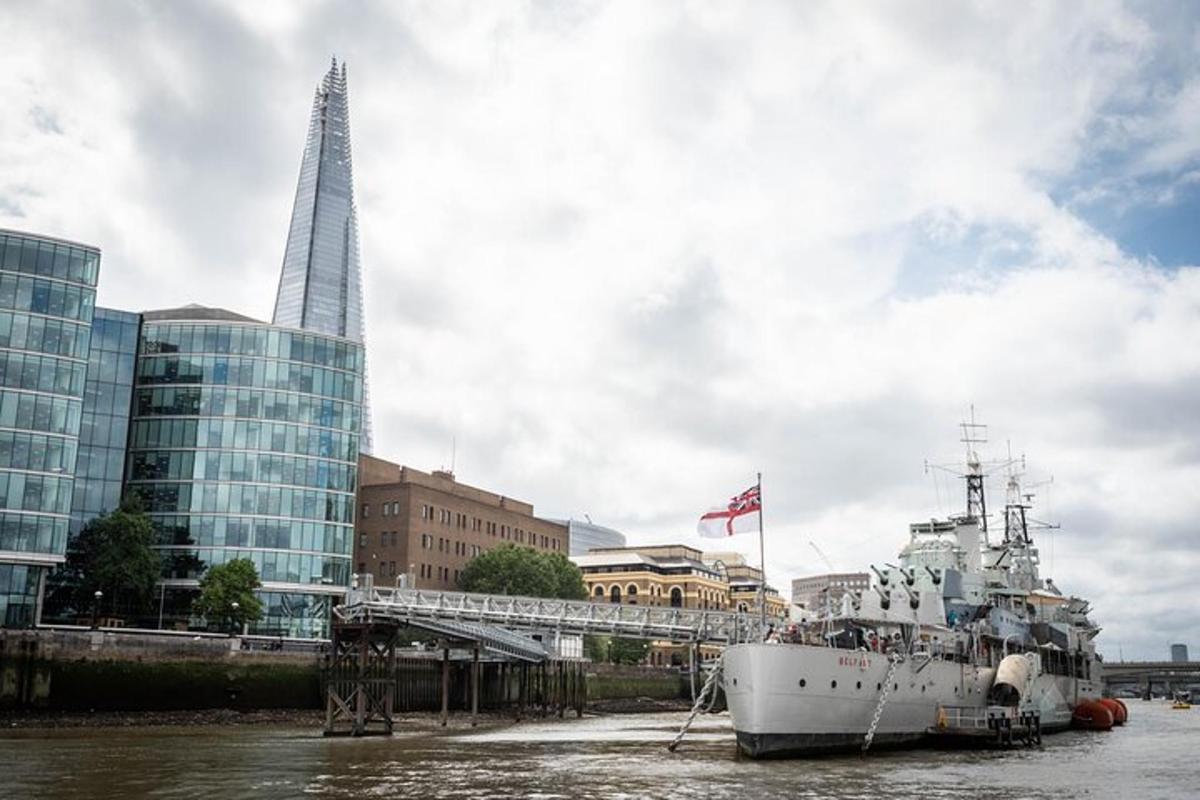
(895, 658)
(709, 685)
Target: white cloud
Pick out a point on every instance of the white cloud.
(629, 254)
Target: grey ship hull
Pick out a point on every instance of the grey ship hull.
(790, 700)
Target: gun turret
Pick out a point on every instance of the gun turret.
(883, 578)
(885, 601)
(937, 579)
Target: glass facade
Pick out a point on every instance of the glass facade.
(47, 298)
(244, 444)
(104, 425)
(320, 284)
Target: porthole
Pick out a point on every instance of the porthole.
(879, 687)
(922, 688)
(803, 683)
(895, 687)
(833, 684)
(735, 681)
(858, 685)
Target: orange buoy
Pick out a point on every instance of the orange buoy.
(1119, 712)
(1092, 715)
(1124, 707)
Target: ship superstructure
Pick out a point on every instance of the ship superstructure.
(960, 631)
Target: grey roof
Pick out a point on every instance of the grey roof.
(193, 311)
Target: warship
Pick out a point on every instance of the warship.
(960, 638)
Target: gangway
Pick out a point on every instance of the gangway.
(424, 608)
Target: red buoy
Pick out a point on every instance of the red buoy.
(1119, 712)
(1092, 715)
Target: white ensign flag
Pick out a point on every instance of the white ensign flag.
(740, 515)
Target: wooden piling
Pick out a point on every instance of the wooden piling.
(445, 684)
(475, 687)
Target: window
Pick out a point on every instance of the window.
(395, 508)
(385, 510)
(362, 540)
(366, 510)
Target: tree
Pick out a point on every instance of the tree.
(227, 594)
(114, 554)
(514, 570)
(627, 651)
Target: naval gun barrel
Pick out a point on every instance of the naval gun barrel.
(883, 578)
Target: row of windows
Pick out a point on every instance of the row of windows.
(427, 571)
(298, 615)
(251, 372)
(252, 467)
(227, 498)
(225, 339)
(196, 401)
(446, 545)
(274, 437)
(27, 533)
(23, 294)
(214, 531)
(34, 412)
(183, 564)
(465, 521)
(18, 594)
(49, 494)
(37, 452)
(54, 337)
(42, 373)
(53, 259)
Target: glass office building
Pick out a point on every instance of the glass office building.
(104, 426)
(244, 444)
(47, 298)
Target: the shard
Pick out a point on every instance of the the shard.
(320, 285)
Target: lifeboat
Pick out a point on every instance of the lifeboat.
(1092, 715)
(1119, 712)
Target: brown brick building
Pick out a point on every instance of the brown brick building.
(429, 525)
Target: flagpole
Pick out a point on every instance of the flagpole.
(762, 564)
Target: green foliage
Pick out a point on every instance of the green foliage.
(595, 648)
(113, 554)
(628, 651)
(614, 650)
(227, 594)
(513, 570)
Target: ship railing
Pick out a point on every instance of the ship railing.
(973, 717)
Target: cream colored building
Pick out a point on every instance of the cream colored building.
(674, 576)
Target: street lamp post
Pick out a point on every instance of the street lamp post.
(96, 598)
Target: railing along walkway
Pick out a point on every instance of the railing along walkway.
(415, 606)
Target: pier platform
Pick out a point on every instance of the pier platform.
(988, 726)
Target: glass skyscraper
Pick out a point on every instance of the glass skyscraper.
(320, 284)
(47, 298)
(244, 444)
(105, 422)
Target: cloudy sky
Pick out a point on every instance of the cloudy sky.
(626, 255)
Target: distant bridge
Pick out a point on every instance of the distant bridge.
(1145, 676)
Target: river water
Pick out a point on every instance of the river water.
(1155, 755)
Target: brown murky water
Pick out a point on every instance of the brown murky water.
(1156, 755)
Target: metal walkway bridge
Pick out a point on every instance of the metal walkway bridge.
(494, 620)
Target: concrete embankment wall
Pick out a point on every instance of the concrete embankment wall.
(111, 671)
(85, 670)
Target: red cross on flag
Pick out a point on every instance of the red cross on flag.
(740, 515)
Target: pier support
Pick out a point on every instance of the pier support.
(360, 680)
(475, 686)
(445, 683)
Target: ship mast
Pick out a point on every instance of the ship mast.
(974, 433)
